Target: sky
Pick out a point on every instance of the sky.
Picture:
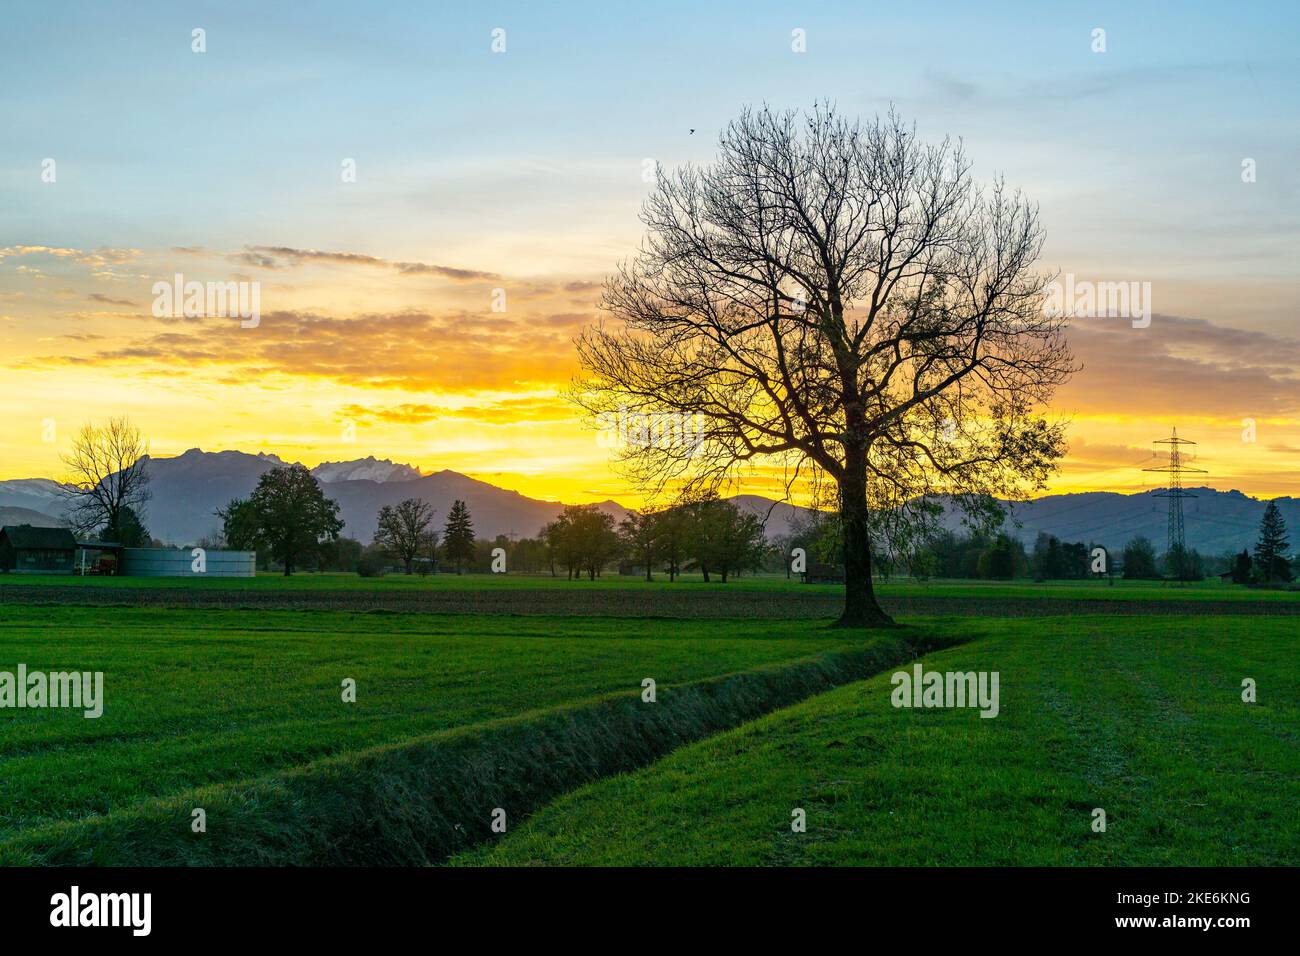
(429, 221)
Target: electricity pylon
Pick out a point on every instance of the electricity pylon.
(1176, 544)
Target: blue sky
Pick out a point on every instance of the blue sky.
(158, 145)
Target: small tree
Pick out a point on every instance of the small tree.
(287, 512)
(1241, 568)
(1183, 564)
(458, 536)
(673, 535)
(724, 539)
(600, 541)
(640, 534)
(1271, 562)
(130, 531)
(584, 539)
(529, 555)
(999, 561)
(109, 480)
(404, 530)
(1140, 560)
(341, 554)
(372, 562)
(559, 545)
(239, 525)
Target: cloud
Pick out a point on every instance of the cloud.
(471, 408)
(393, 350)
(100, 297)
(97, 257)
(1181, 366)
(286, 257)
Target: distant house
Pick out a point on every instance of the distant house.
(25, 549)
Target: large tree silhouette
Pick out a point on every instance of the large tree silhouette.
(840, 299)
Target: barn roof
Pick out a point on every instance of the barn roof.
(25, 536)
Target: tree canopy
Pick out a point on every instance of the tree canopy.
(837, 298)
(403, 530)
(287, 513)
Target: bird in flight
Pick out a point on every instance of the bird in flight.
(692, 133)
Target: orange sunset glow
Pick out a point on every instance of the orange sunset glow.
(354, 356)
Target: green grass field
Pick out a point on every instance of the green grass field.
(239, 710)
(201, 697)
(1143, 719)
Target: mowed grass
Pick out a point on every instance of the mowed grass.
(1142, 718)
(1117, 590)
(196, 697)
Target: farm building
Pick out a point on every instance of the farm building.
(186, 563)
(25, 549)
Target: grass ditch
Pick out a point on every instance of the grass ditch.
(420, 801)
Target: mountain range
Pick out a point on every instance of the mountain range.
(189, 488)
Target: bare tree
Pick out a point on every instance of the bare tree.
(109, 483)
(839, 299)
(404, 530)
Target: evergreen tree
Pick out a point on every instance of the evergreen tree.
(1270, 550)
(1241, 568)
(130, 531)
(458, 536)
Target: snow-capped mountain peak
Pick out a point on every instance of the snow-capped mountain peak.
(365, 469)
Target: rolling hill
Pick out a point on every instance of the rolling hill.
(189, 488)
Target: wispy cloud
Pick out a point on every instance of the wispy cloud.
(106, 300)
(286, 257)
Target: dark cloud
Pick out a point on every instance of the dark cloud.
(286, 257)
(100, 297)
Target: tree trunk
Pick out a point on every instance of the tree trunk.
(860, 606)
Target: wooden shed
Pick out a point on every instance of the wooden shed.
(25, 549)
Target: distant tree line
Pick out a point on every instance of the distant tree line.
(947, 554)
(710, 536)
(292, 525)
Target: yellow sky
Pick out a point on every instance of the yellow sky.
(427, 364)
